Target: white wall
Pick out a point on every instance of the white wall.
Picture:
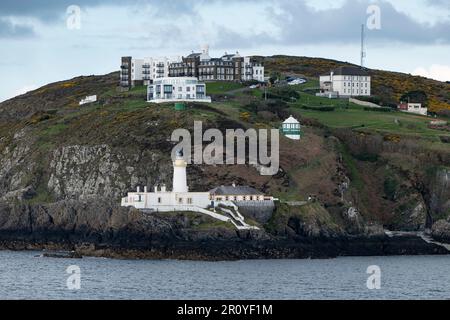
(136, 69)
(417, 108)
(258, 74)
(166, 201)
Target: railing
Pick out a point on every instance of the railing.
(291, 131)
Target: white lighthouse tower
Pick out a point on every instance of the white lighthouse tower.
(179, 174)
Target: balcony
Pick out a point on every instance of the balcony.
(146, 72)
(146, 66)
(124, 66)
(160, 65)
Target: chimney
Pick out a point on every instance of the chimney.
(138, 189)
(163, 188)
(156, 188)
(145, 189)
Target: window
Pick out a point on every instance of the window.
(159, 200)
(180, 200)
(189, 200)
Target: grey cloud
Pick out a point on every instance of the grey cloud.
(46, 10)
(301, 25)
(51, 9)
(9, 30)
(439, 3)
(342, 25)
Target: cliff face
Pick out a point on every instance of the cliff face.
(64, 168)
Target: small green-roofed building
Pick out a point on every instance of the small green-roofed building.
(291, 128)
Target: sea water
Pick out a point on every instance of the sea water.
(27, 275)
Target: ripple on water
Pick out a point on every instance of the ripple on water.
(23, 276)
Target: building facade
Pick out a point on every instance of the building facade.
(346, 82)
(230, 67)
(416, 108)
(125, 72)
(177, 89)
(137, 72)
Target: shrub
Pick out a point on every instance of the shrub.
(381, 109)
(415, 96)
(283, 93)
(319, 108)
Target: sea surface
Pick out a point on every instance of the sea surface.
(25, 275)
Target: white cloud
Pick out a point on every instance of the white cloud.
(422, 10)
(435, 71)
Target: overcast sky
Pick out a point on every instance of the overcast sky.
(37, 47)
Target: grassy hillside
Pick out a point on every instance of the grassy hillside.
(389, 85)
(52, 149)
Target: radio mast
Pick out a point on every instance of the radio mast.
(363, 51)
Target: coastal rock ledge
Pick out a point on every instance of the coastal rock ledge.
(100, 229)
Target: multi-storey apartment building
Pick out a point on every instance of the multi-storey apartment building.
(347, 82)
(144, 71)
(230, 67)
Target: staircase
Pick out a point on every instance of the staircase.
(237, 218)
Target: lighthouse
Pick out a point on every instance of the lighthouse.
(179, 174)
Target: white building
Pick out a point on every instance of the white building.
(252, 70)
(177, 89)
(144, 71)
(291, 128)
(416, 108)
(88, 99)
(219, 203)
(230, 67)
(346, 82)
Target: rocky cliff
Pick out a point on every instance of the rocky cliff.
(64, 168)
